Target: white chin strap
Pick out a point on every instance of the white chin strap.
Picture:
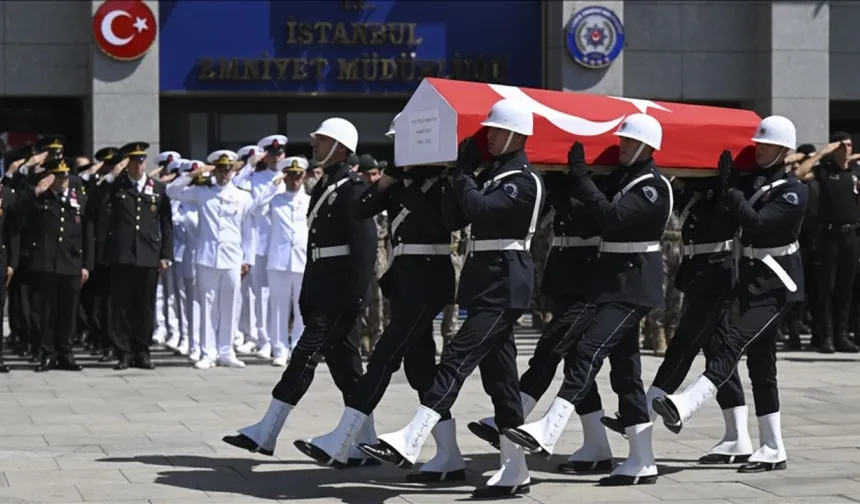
(330, 153)
(775, 159)
(508, 142)
(637, 154)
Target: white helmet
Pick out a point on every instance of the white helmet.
(339, 130)
(390, 133)
(508, 115)
(643, 128)
(776, 130)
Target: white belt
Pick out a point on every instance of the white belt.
(498, 244)
(326, 252)
(766, 255)
(575, 241)
(708, 248)
(429, 249)
(630, 248)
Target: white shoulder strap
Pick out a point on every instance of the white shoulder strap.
(499, 177)
(764, 189)
(624, 190)
(671, 201)
(404, 212)
(535, 210)
(324, 197)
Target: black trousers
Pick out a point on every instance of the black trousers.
(810, 281)
(20, 314)
(702, 323)
(612, 332)
(132, 292)
(95, 299)
(328, 335)
(57, 306)
(2, 304)
(485, 341)
(570, 319)
(838, 253)
(754, 334)
(407, 338)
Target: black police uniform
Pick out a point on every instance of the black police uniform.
(10, 248)
(503, 206)
(626, 283)
(139, 235)
(566, 274)
(769, 206)
(705, 277)
(837, 253)
(419, 283)
(61, 249)
(341, 253)
(809, 240)
(96, 292)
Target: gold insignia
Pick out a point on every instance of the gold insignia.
(224, 159)
(153, 208)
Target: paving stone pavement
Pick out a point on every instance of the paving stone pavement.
(154, 437)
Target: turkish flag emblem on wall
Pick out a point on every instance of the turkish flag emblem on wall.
(124, 29)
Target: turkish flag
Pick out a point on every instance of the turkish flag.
(443, 112)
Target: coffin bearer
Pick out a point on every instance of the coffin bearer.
(419, 282)
(166, 320)
(769, 206)
(224, 254)
(705, 278)
(334, 288)
(503, 205)
(626, 284)
(139, 246)
(60, 260)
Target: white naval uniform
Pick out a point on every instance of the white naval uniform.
(188, 273)
(258, 285)
(224, 244)
(176, 299)
(287, 256)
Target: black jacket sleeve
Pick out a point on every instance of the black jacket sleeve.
(453, 217)
(361, 238)
(372, 201)
(89, 258)
(632, 209)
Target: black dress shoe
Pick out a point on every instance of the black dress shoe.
(69, 364)
(313, 451)
(143, 362)
(107, 356)
(382, 452)
(123, 364)
(362, 462)
(522, 438)
(436, 477)
(757, 467)
(624, 480)
(667, 410)
(46, 364)
(722, 459)
(500, 492)
(585, 467)
(613, 424)
(245, 443)
(485, 432)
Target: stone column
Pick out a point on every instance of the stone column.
(800, 68)
(562, 72)
(124, 104)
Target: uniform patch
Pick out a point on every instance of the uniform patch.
(759, 181)
(332, 198)
(511, 189)
(650, 193)
(791, 197)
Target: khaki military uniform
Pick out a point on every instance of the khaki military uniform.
(451, 313)
(375, 316)
(659, 326)
(541, 305)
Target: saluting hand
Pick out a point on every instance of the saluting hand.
(37, 160)
(576, 160)
(279, 178)
(44, 184)
(725, 170)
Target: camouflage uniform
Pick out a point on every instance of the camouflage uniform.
(541, 305)
(659, 326)
(451, 313)
(374, 317)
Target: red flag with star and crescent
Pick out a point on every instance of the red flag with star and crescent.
(443, 112)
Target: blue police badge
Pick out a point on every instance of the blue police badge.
(511, 189)
(594, 36)
(791, 197)
(650, 193)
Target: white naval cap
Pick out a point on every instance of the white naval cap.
(166, 157)
(272, 142)
(247, 151)
(175, 165)
(189, 165)
(293, 163)
(222, 157)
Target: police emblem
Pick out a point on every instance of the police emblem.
(511, 189)
(650, 193)
(759, 181)
(594, 37)
(791, 197)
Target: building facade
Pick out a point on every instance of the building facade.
(224, 74)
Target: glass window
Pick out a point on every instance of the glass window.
(371, 126)
(245, 129)
(198, 133)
